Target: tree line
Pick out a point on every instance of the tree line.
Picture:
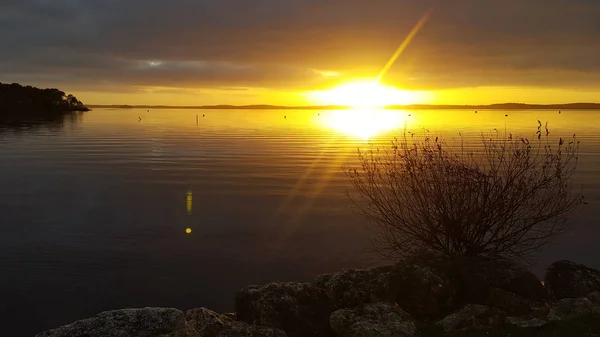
(18, 100)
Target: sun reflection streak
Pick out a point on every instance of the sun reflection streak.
(314, 191)
(364, 124)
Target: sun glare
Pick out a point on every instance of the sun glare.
(363, 123)
(364, 94)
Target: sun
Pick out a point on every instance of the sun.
(364, 94)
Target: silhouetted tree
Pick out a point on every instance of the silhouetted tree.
(16, 99)
(505, 200)
(25, 106)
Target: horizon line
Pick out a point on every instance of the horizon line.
(508, 105)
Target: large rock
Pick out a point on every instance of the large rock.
(373, 320)
(356, 286)
(300, 309)
(506, 275)
(144, 322)
(472, 316)
(208, 323)
(430, 285)
(566, 279)
(508, 302)
(422, 290)
(568, 308)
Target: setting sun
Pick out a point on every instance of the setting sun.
(364, 94)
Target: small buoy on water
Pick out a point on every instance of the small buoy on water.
(284, 117)
(140, 118)
(559, 112)
(475, 111)
(505, 115)
(188, 230)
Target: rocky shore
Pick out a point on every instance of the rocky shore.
(427, 296)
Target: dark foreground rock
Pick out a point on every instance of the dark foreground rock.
(430, 295)
(145, 322)
(208, 323)
(566, 279)
(568, 308)
(509, 302)
(431, 285)
(356, 286)
(299, 309)
(373, 320)
(423, 291)
(472, 316)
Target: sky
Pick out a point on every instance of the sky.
(195, 52)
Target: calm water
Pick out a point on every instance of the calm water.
(93, 213)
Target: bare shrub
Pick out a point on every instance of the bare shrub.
(506, 198)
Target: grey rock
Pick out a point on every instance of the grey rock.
(509, 302)
(144, 322)
(517, 280)
(567, 308)
(472, 316)
(355, 286)
(208, 323)
(566, 279)
(422, 290)
(525, 323)
(299, 309)
(594, 296)
(373, 320)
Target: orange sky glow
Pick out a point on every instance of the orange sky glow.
(309, 53)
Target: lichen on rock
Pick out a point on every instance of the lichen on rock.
(373, 320)
(299, 309)
(567, 279)
(144, 322)
(353, 287)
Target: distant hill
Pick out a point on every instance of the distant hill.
(497, 106)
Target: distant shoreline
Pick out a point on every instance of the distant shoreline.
(498, 106)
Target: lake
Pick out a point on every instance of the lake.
(94, 210)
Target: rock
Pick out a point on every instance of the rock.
(472, 316)
(299, 309)
(144, 322)
(423, 290)
(355, 286)
(525, 323)
(431, 285)
(508, 302)
(372, 320)
(566, 279)
(594, 296)
(517, 280)
(208, 323)
(567, 308)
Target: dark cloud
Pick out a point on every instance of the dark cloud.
(279, 44)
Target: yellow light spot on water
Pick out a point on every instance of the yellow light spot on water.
(188, 230)
(188, 202)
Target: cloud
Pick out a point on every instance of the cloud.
(279, 44)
